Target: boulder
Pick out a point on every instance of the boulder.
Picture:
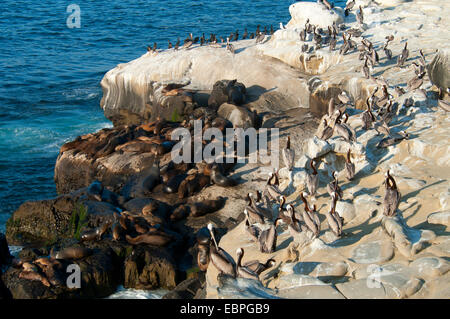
(148, 267)
(317, 14)
(48, 221)
(442, 218)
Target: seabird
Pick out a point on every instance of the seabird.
(391, 197)
(334, 187)
(349, 7)
(288, 154)
(349, 166)
(312, 179)
(388, 141)
(360, 16)
(219, 258)
(243, 271)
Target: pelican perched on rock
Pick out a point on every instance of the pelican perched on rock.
(308, 218)
(326, 132)
(258, 267)
(219, 258)
(268, 239)
(272, 191)
(333, 219)
(288, 154)
(391, 197)
(343, 130)
(349, 166)
(367, 117)
(312, 179)
(388, 141)
(243, 271)
(334, 187)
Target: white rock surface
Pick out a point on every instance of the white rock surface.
(317, 14)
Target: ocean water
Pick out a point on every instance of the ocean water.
(50, 73)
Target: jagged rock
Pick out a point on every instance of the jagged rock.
(442, 218)
(316, 13)
(187, 289)
(149, 268)
(439, 69)
(99, 278)
(316, 147)
(48, 221)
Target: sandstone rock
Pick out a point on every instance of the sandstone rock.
(318, 15)
(315, 147)
(238, 115)
(442, 218)
(310, 292)
(430, 267)
(372, 252)
(324, 271)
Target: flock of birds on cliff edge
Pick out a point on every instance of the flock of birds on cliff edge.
(262, 220)
(266, 211)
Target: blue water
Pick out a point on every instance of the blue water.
(50, 74)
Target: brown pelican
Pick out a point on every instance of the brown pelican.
(258, 267)
(404, 56)
(268, 239)
(308, 218)
(349, 128)
(382, 128)
(333, 43)
(260, 37)
(388, 113)
(326, 132)
(219, 258)
(349, 167)
(416, 82)
(294, 225)
(230, 47)
(388, 141)
(392, 196)
(252, 230)
(265, 212)
(312, 179)
(331, 107)
(349, 7)
(399, 90)
(387, 51)
(282, 211)
(334, 221)
(245, 35)
(272, 191)
(288, 154)
(360, 16)
(334, 187)
(343, 130)
(243, 271)
(365, 69)
(367, 117)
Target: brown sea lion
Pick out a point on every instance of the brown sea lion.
(180, 212)
(74, 253)
(206, 206)
(221, 180)
(155, 238)
(32, 275)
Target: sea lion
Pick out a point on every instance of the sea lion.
(218, 179)
(74, 253)
(180, 212)
(155, 238)
(206, 206)
(95, 234)
(32, 275)
(173, 183)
